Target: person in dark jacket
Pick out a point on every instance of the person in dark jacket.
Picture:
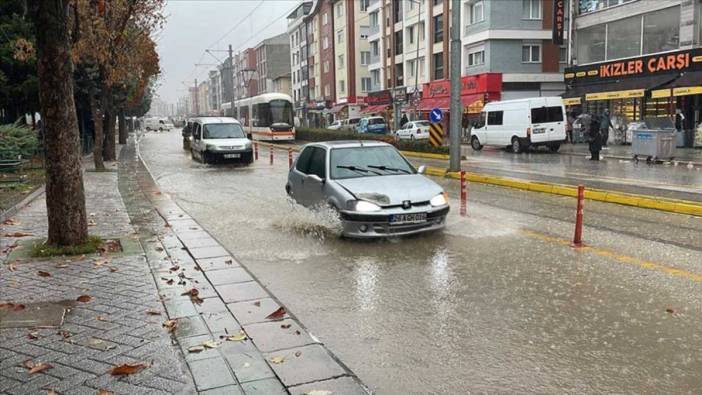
(605, 124)
(403, 120)
(595, 138)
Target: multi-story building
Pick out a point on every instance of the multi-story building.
(272, 62)
(299, 73)
(327, 74)
(215, 90)
(245, 80)
(203, 98)
(638, 58)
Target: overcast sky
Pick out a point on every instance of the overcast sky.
(195, 25)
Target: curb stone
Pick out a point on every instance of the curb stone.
(230, 292)
(24, 203)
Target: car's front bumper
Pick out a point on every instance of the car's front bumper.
(374, 225)
(220, 155)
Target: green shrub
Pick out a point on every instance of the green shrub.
(17, 140)
(306, 134)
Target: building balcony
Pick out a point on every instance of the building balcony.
(372, 30)
(374, 58)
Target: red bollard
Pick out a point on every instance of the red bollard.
(290, 158)
(464, 194)
(271, 154)
(578, 238)
(255, 150)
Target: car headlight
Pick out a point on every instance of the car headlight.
(439, 200)
(364, 206)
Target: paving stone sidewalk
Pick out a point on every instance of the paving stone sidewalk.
(278, 356)
(122, 323)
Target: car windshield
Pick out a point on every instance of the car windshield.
(376, 121)
(367, 162)
(223, 131)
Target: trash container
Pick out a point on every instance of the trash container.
(680, 139)
(655, 140)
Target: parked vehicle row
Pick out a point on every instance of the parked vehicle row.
(345, 124)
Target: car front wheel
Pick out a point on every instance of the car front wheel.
(475, 144)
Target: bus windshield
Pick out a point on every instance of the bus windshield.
(223, 131)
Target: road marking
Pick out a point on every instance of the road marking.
(621, 258)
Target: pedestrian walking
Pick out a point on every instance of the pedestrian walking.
(605, 124)
(403, 120)
(595, 138)
(569, 127)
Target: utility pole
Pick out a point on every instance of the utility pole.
(456, 113)
(230, 78)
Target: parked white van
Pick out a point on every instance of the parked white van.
(520, 124)
(160, 124)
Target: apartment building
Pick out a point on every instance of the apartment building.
(638, 58)
(215, 90)
(245, 81)
(272, 62)
(351, 50)
(299, 73)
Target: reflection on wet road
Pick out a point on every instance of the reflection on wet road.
(496, 303)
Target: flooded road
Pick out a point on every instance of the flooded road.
(498, 302)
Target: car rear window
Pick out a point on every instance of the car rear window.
(547, 114)
(376, 121)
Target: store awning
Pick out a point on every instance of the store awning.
(689, 83)
(374, 109)
(467, 101)
(620, 89)
(337, 108)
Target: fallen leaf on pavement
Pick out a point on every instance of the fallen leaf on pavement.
(286, 326)
(670, 310)
(175, 268)
(113, 269)
(36, 367)
(11, 306)
(43, 274)
(277, 360)
(196, 349)
(228, 262)
(128, 368)
(159, 249)
(210, 344)
(197, 268)
(153, 312)
(298, 353)
(84, 298)
(170, 325)
(64, 334)
(11, 221)
(28, 364)
(100, 318)
(51, 392)
(18, 234)
(62, 266)
(297, 333)
(9, 248)
(193, 293)
(33, 335)
(169, 281)
(105, 392)
(11, 267)
(280, 313)
(235, 338)
(91, 222)
(257, 303)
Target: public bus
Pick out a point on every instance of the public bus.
(266, 117)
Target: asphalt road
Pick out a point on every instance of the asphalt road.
(498, 302)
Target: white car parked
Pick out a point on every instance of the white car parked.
(414, 130)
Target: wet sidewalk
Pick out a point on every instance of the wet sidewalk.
(683, 155)
(175, 302)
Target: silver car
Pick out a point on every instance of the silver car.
(376, 191)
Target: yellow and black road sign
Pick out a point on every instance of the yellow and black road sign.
(436, 134)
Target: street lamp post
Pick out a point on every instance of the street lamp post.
(456, 110)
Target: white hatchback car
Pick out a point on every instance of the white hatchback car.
(415, 130)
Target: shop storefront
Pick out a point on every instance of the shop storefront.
(378, 103)
(639, 88)
(476, 90)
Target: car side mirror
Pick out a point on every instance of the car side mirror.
(422, 169)
(316, 178)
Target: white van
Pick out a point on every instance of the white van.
(520, 124)
(219, 139)
(160, 124)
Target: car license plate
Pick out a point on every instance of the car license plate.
(232, 156)
(416, 218)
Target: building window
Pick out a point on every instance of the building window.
(591, 44)
(375, 48)
(326, 67)
(325, 42)
(624, 38)
(342, 86)
(421, 66)
(438, 28)
(399, 75)
(341, 62)
(364, 5)
(327, 91)
(410, 34)
(563, 54)
(339, 9)
(437, 2)
(365, 30)
(531, 9)
(375, 74)
(373, 17)
(594, 5)
(365, 84)
(420, 32)
(476, 12)
(325, 18)
(476, 57)
(411, 64)
(661, 30)
(531, 53)
(340, 36)
(439, 66)
(365, 58)
(411, 5)
(398, 43)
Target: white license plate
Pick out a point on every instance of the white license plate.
(400, 219)
(232, 156)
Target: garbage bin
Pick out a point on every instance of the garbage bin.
(655, 140)
(680, 139)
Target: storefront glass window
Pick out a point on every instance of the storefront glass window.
(624, 38)
(662, 30)
(591, 44)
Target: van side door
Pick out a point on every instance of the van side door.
(495, 132)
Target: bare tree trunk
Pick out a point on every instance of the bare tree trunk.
(65, 194)
(110, 150)
(96, 112)
(122, 128)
